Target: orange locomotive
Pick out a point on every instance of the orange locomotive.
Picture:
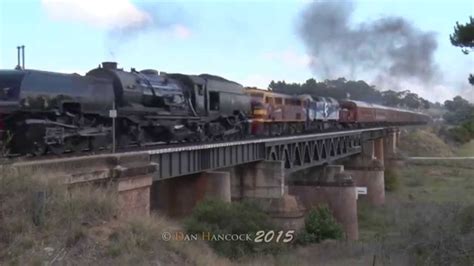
(275, 113)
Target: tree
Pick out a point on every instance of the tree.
(391, 98)
(459, 111)
(412, 100)
(463, 37)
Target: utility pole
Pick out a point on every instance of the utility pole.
(113, 115)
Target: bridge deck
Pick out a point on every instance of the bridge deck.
(298, 152)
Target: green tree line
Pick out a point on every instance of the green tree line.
(355, 90)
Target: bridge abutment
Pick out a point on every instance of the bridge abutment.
(130, 175)
(134, 195)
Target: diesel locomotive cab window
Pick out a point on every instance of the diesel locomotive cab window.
(214, 101)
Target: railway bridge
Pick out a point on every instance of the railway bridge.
(285, 175)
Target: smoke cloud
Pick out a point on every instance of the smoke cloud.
(166, 17)
(123, 20)
(389, 50)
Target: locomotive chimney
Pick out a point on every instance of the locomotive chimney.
(18, 66)
(23, 56)
(109, 65)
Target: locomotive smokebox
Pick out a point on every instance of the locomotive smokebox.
(109, 65)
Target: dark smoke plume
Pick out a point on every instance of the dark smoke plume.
(386, 50)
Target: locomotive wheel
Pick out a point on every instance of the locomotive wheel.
(39, 148)
(56, 149)
(97, 142)
(75, 144)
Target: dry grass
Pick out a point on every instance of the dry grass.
(423, 143)
(466, 149)
(39, 217)
(80, 226)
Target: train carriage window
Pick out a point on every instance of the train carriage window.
(214, 101)
(268, 100)
(278, 101)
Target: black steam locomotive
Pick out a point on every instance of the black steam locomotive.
(45, 111)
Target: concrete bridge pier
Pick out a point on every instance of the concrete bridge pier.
(368, 149)
(369, 174)
(379, 149)
(334, 188)
(392, 158)
(264, 183)
(176, 197)
(398, 135)
(390, 144)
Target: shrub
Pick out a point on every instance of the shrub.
(217, 217)
(392, 177)
(441, 235)
(460, 134)
(320, 225)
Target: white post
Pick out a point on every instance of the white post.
(113, 114)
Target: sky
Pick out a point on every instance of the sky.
(250, 41)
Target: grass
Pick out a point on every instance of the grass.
(392, 176)
(423, 143)
(466, 149)
(80, 225)
(437, 183)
